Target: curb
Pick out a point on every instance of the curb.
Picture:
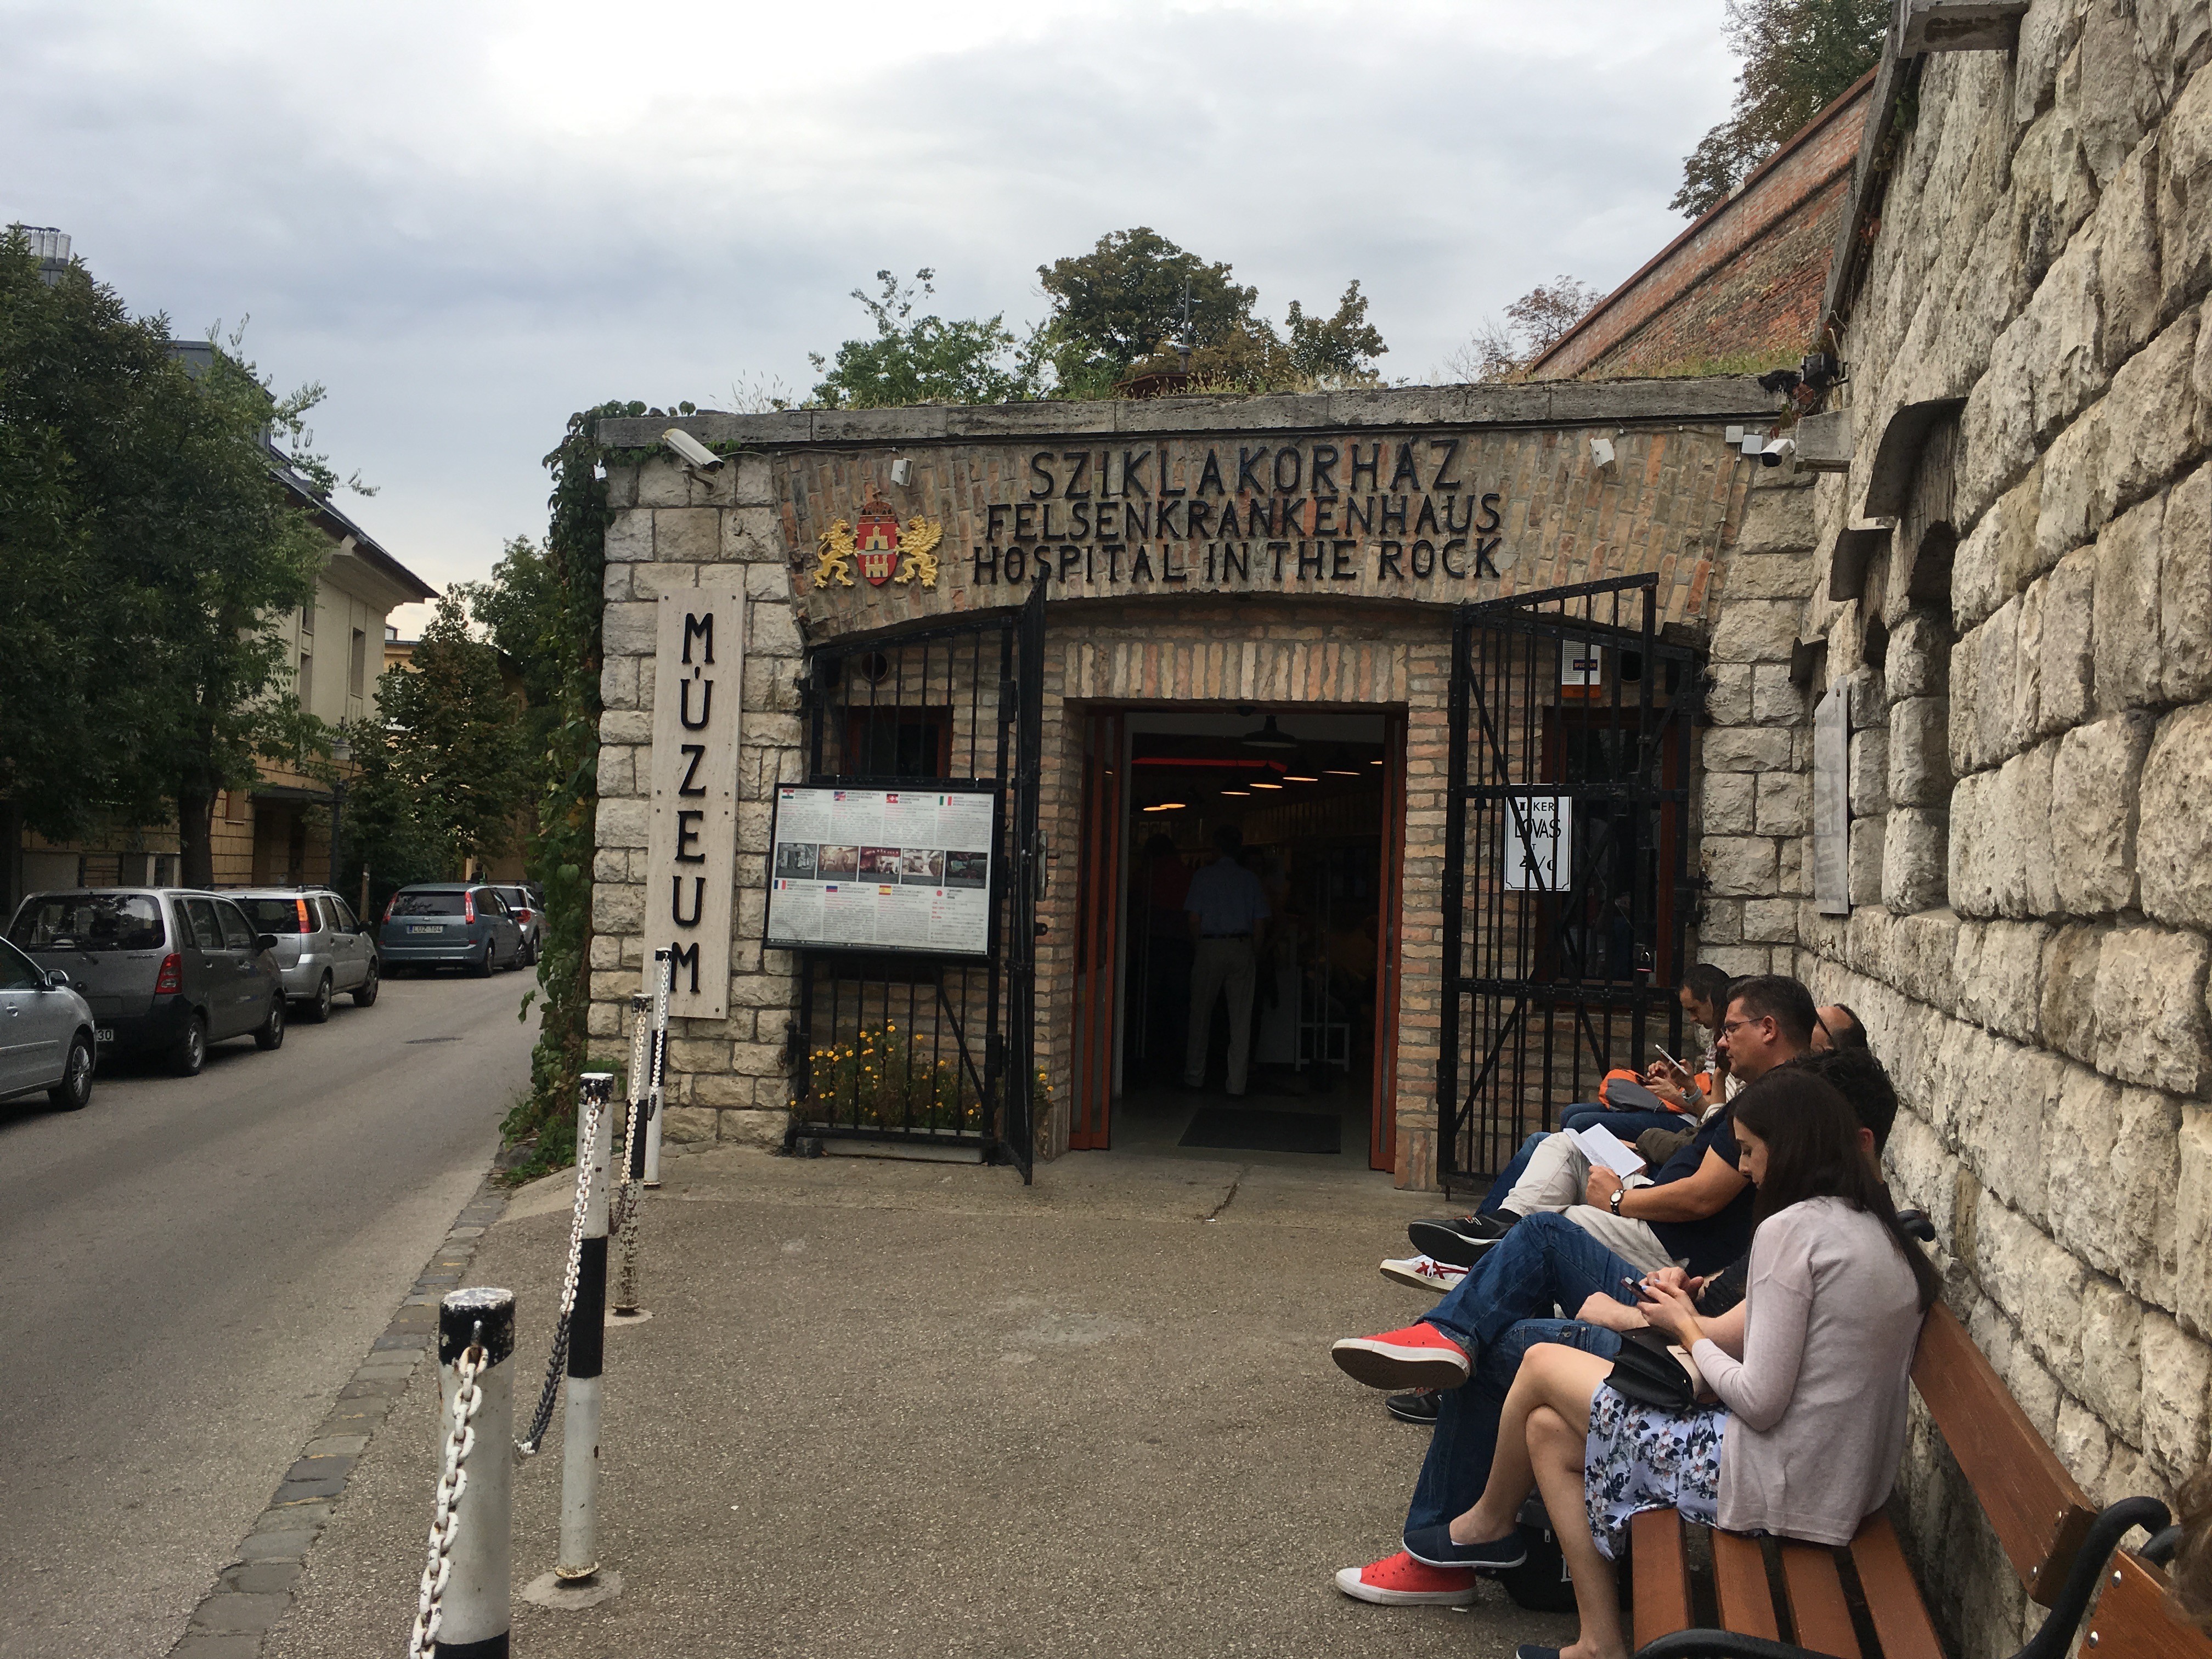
(255, 1589)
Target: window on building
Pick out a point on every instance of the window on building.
(307, 682)
(307, 619)
(357, 666)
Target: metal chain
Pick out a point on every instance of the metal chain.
(460, 1440)
(542, 1418)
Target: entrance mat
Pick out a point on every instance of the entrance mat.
(1260, 1131)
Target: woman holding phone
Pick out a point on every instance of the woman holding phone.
(1810, 1371)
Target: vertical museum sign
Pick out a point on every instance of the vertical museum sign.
(699, 662)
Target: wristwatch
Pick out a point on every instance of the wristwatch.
(1613, 1203)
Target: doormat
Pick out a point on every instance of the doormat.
(1258, 1131)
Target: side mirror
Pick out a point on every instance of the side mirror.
(58, 979)
(265, 941)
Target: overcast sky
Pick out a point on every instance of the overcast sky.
(469, 221)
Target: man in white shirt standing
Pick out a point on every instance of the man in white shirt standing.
(1227, 909)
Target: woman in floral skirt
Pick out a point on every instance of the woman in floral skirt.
(1811, 1371)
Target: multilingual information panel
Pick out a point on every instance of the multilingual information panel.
(881, 870)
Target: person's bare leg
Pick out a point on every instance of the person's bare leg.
(1556, 1446)
(1551, 1374)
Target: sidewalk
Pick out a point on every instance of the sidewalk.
(891, 1408)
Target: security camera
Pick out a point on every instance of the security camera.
(1777, 451)
(1602, 453)
(901, 469)
(690, 449)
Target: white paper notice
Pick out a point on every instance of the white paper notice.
(964, 823)
(802, 815)
(887, 869)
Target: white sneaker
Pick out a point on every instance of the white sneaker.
(1423, 1273)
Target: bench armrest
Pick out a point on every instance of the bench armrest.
(2112, 1523)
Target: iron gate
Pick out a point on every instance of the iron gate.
(1568, 893)
(924, 1050)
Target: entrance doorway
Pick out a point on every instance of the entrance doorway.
(1317, 798)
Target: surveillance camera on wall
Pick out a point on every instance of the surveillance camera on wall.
(690, 449)
(1600, 452)
(901, 469)
(1777, 451)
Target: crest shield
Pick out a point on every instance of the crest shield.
(876, 540)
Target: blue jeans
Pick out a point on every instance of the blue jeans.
(1546, 1260)
(1464, 1439)
(1626, 1125)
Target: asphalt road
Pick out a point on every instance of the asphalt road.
(193, 1266)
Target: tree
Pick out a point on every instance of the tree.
(922, 360)
(1343, 348)
(455, 739)
(145, 552)
(1502, 347)
(1798, 57)
(1124, 300)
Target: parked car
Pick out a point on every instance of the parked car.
(322, 950)
(449, 924)
(165, 969)
(46, 1039)
(527, 906)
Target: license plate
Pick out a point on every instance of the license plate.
(433, 928)
(104, 1033)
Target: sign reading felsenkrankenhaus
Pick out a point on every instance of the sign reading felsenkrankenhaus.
(699, 664)
(1375, 515)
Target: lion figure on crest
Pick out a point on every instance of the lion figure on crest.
(834, 549)
(918, 552)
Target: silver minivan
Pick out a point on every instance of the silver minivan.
(166, 970)
(322, 951)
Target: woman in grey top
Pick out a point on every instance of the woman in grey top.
(1811, 1371)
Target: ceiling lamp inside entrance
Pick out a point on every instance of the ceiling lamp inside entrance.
(1269, 737)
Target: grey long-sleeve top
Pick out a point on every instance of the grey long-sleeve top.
(1817, 1405)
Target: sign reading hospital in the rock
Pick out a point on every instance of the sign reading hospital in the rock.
(881, 870)
(1176, 516)
(692, 836)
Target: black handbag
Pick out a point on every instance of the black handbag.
(1542, 1582)
(1645, 1372)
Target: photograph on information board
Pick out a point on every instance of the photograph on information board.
(881, 870)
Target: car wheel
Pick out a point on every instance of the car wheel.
(270, 1034)
(532, 963)
(482, 970)
(365, 996)
(190, 1052)
(319, 1009)
(74, 1092)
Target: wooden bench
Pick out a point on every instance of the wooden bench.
(1776, 1599)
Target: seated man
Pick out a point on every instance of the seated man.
(1478, 1334)
(1698, 1201)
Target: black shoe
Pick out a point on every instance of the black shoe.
(1459, 1240)
(1433, 1547)
(1419, 1407)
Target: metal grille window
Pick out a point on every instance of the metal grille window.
(1566, 862)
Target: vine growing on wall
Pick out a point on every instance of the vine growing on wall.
(560, 853)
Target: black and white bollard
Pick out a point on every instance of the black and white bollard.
(475, 1327)
(578, 1561)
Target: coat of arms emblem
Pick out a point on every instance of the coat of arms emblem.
(885, 549)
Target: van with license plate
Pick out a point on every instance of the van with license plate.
(322, 951)
(449, 924)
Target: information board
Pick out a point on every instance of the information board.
(1543, 861)
(878, 870)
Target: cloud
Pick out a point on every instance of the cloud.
(470, 222)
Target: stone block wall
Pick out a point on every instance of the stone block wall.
(2032, 903)
(727, 1078)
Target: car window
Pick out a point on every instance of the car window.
(491, 901)
(515, 898)
(89, 921)
(17, 971)
(236, 935)
(427, 904)
(207, 931)
(341, 914)
(277, 915)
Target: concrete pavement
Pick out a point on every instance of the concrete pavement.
(195, 1267)
(887, 1409)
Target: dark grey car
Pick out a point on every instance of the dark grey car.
(449, 924)
(165, 971)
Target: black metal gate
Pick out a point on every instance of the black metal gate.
(1568, 893)
(919, 1049)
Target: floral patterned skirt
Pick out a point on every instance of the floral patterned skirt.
(1640, 1457)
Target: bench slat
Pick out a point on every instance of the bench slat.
(2040, 1514)
(1740, 1581)
(1662, 1574)
(1900, 1620)
(2131, 1621)
(1817, 1606)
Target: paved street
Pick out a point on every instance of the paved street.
(194, 1267)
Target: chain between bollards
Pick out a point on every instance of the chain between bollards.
(461, 1610)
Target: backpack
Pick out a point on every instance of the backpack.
(1540, 1583)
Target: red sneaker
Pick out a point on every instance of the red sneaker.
(1418, 1357)
(1403, 1582)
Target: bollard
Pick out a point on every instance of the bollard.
(473, 1612)
(587, 1333)
(664, 961)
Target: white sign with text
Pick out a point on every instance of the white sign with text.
(691, 844)
(1541, 860)
(881, 870)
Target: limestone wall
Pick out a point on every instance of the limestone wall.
(2027, 664)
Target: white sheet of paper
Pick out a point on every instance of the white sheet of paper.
(1607, 1150)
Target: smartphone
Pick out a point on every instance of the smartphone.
(1670, 1060)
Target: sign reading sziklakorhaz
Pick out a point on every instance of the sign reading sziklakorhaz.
(692, 838)
(883, 870)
